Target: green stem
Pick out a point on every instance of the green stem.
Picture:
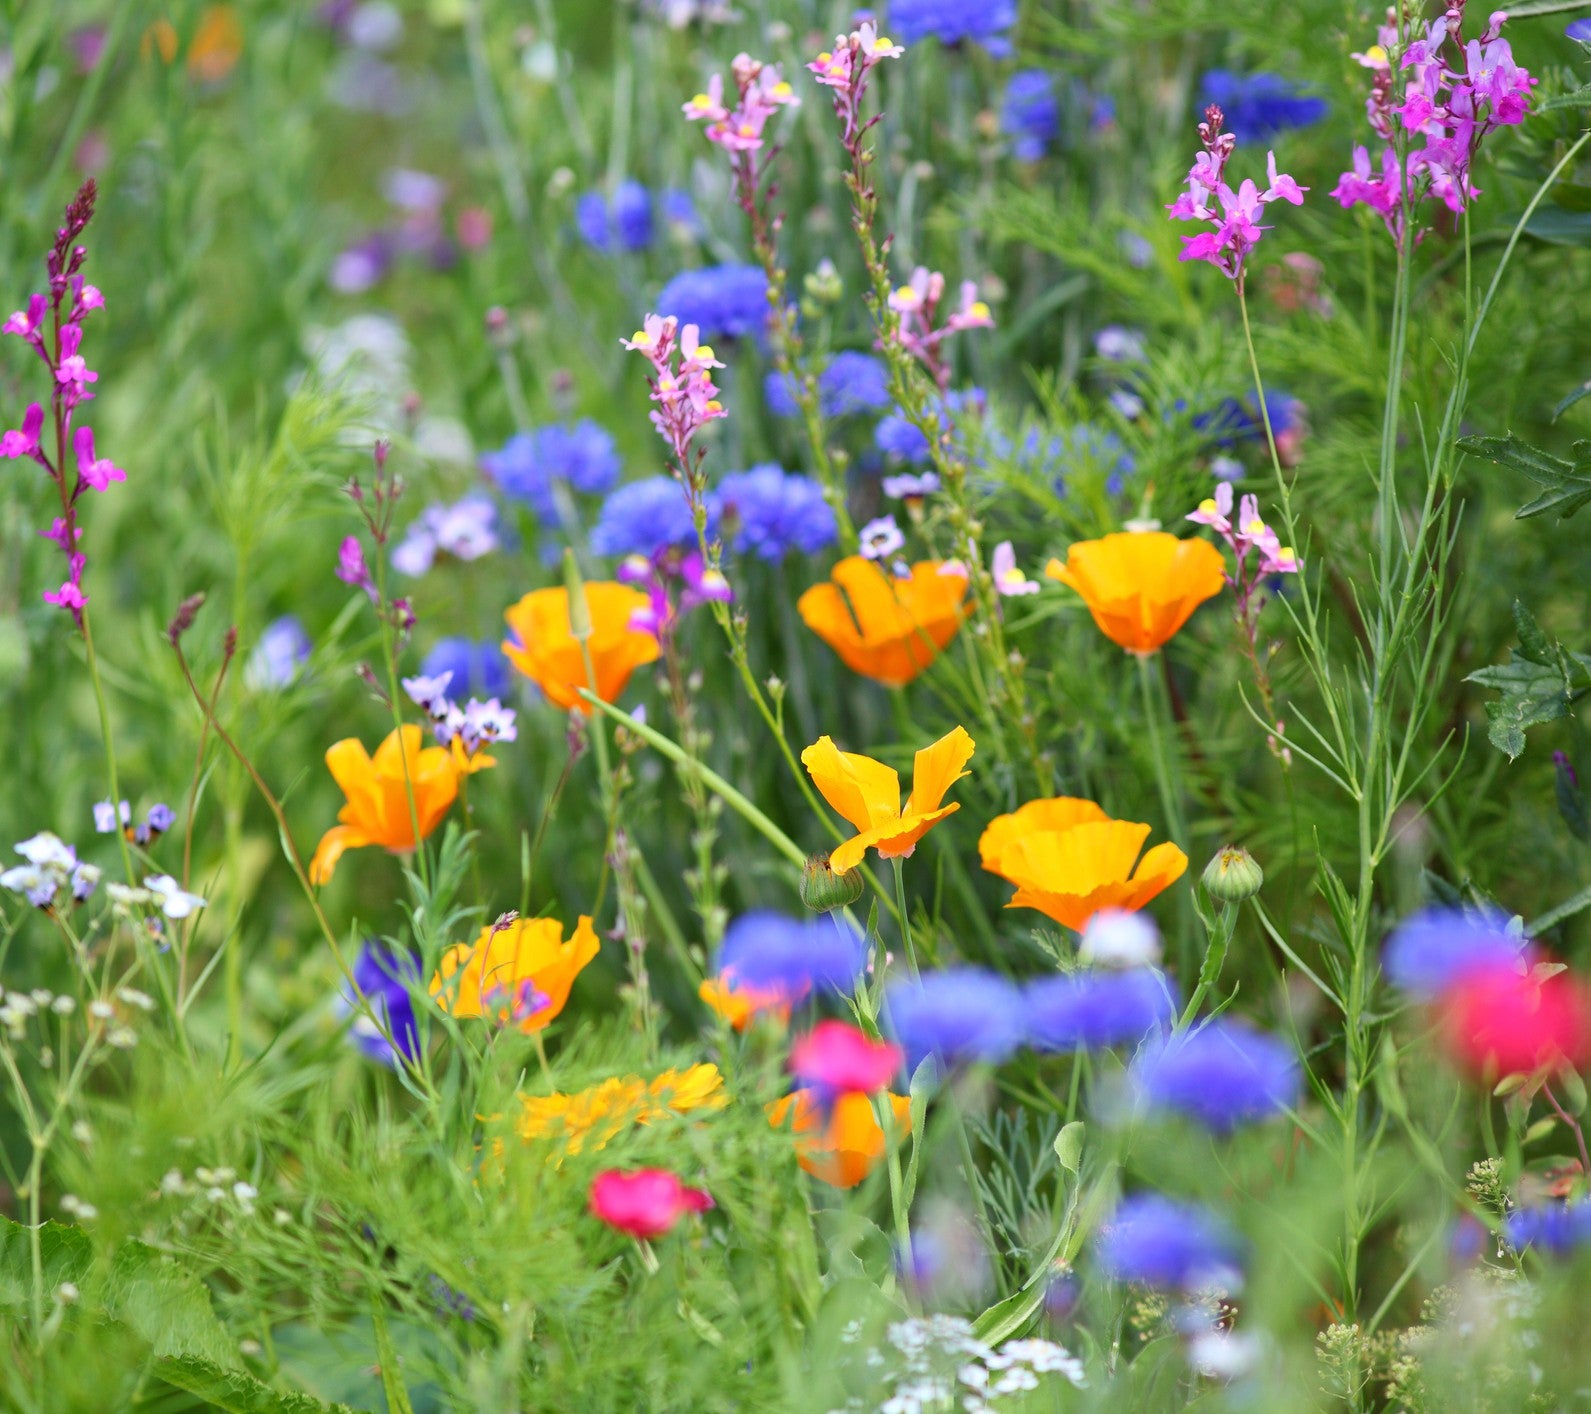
(1166, 774)
(905, 915)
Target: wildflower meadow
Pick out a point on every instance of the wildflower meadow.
(733, 705)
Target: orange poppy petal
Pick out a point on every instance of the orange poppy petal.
(330, 850)
(862, 790)
(938, 767)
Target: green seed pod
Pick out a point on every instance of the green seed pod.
(579, 609)
(822, 890)
(1232, 875)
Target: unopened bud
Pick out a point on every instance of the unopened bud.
(823, 890)
(1232, 875)
(824, 284)
(182, 620)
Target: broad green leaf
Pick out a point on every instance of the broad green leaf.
(1069, 1147)
(167, 1305)
(237, 1391)
(64, 1253)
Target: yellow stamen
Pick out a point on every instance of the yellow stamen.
(1208, 507)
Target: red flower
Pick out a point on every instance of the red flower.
(1501, 1022)
(837, 1058)
(644, 1202)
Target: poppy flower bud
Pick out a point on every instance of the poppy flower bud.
(823, 890)
(1233, 875)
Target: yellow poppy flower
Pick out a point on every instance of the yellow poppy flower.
(377, 811)
(867, 793)
(543, 646)
(1069, 860)
(1141, 587)
(842, 1145)
(521, 973)
(885, 628)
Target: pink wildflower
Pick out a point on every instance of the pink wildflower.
(24, 443)
(97, 472)
(835, 1059)
(1009, 580)
(645, 1203)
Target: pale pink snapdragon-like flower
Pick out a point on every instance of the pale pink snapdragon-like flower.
(1234, 214)
(918, 328)
(762, 93)
(1009, 580)
(686, 396)
(845, 68)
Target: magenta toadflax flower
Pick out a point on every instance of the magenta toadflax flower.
(1235, 215)
(762, 93)
(674, 584)
(52, 326)
(1453, 94)
(1009, 580)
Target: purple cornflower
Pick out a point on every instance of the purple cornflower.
(768, 512)
(853, 382)
(620, 222)
(909, 486)
(582, 454)
(1030, 113)
(52, 326)
(1220, 1076)
(721, 301)
(475, 668)
(1556, 1229)
(1237, 229)
(1096, 1009)
(279, 656)
(1258, 106)
(769, 951)
(1156, 1241)
(1430, 951)
(109, 818)
(952, 22)
(430, 694)
(465, 530)
(474, 725)
(646, 517)
(958, 1016)
(386, 980)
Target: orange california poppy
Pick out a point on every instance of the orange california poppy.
(739, 1004)
(520, 973)
(1069, 859)
(885, 628)
(543, 646)
(867, 793)
(216, 44)
(1141, 586)
(846, 1146)
(377, 811)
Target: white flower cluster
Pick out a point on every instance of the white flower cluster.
(217, 1186)
(946, 1366)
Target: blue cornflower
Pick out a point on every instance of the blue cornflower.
(1096, 1009)
(1258, 106)
(478, 669)
(1234, 420)
(1030, 113)
(1430, 951)
(1221, 1075)
(583, 454)
(960, 1015)
(792, 955)
(853, 382)
(622, 222)
(769, 512)
(1159, 1242)
(277, 658)
(896, 437)
(724, 301)
(952, 21)
(1579, 30)
(386, 980)
(1556, 1229)
(680, 211)
(647, 516)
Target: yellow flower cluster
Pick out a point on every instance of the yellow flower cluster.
(593, 1117)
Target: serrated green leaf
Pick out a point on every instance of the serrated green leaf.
(167, 1305)
(1533, 643)
(1532, 693)
(1568, 484)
